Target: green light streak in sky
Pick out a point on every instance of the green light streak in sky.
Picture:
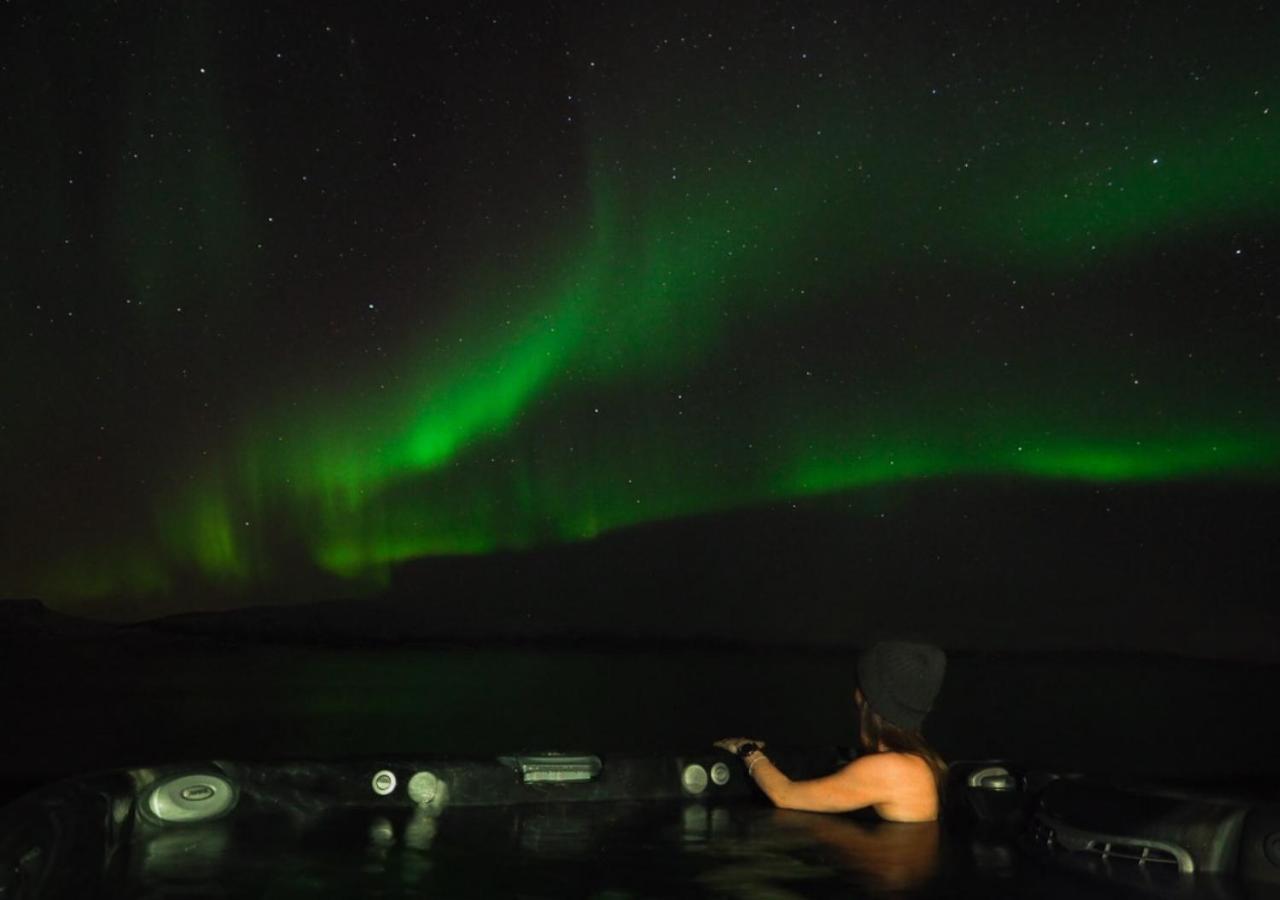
(1212, 178)
(1100, 460)
(491, 436)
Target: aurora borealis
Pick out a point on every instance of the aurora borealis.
(314, 292)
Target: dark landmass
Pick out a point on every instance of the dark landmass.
(1182, 569)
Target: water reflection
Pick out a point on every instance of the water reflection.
(788, 854)
(183, 856)
(556, 833)
(889, 856)
(420, 830)
(700, 824)
(382, 834)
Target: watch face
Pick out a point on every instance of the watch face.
(748, 747)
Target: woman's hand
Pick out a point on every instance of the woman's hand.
(732, 744)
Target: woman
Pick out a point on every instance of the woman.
(899, 775)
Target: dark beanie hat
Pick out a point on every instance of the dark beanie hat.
(900, 680)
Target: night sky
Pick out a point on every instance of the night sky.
(294, 296)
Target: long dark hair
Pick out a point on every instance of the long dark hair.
(874, 730)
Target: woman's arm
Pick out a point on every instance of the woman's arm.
(864, 782)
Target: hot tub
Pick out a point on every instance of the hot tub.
(561, 825)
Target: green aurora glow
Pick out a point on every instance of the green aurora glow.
(516, 426)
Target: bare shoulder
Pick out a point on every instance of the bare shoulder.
(888, 765)
(909, 762)
(902, 784)
(890, 770)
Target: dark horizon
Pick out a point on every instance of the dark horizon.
(973, 565)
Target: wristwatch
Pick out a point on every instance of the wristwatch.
(745, 750)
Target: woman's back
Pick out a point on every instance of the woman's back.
(914, 797)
